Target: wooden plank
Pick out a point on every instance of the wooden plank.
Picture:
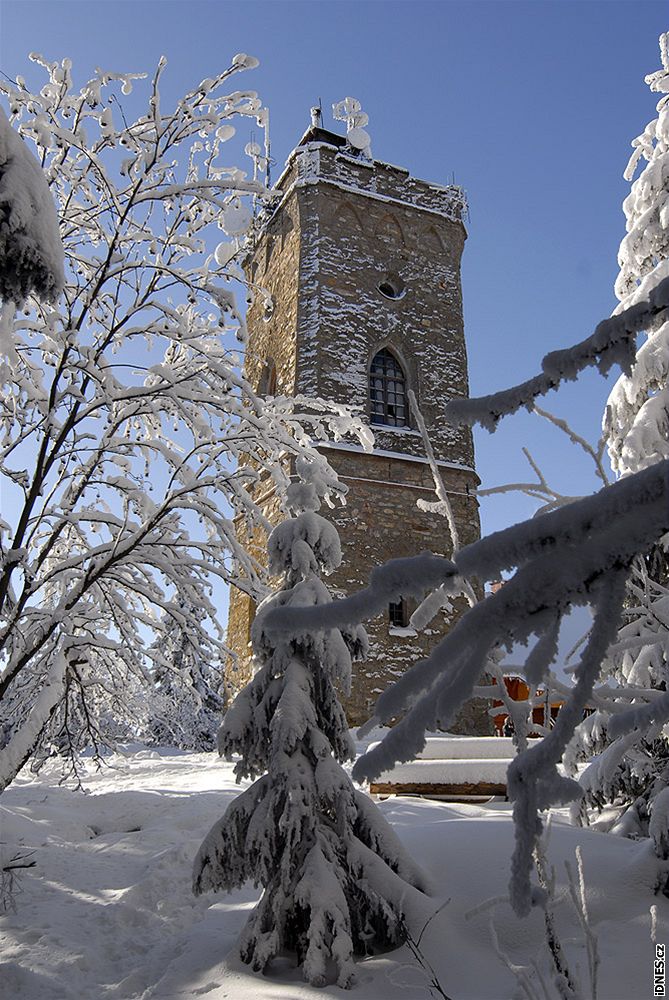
(433, 788)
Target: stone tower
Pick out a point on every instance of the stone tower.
(362, 262)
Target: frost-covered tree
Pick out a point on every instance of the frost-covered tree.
(187, 703)
(334, 874)
(631, 770)
(637, 411)
(129, 440)
(31, 252)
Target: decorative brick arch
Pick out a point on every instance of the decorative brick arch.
(346, 217)
(433, 240)
(389, 231)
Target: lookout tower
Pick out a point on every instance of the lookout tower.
(362, 263)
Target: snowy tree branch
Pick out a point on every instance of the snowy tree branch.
(612, 343)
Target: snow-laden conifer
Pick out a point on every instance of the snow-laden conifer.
(631, 759)
(334, 874)
(637, 412)
(31, 252)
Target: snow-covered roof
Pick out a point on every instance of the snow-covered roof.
(316, 133)
(323, 157)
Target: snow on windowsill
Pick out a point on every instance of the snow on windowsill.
(397, 430)
(383, 453)
(404, 633)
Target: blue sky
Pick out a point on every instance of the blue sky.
(531, 106)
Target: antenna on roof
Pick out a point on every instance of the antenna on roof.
(350, 111)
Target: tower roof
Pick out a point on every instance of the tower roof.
(316, 133)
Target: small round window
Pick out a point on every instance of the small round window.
(391, 286)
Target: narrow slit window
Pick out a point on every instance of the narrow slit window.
(387, 391)
(268, 380)
(398, 615)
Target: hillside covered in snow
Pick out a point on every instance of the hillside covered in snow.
(108, 912)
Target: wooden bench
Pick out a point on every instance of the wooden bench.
(451, 767)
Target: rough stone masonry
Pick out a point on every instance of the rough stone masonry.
(358, 257)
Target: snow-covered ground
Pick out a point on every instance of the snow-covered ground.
(108, 909)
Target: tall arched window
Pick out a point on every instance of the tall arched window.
(387, 391)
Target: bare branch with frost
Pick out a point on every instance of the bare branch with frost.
(131, 447)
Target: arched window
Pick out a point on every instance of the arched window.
(387, 391)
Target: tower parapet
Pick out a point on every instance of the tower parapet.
(321, 158)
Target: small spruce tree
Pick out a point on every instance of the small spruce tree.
(333, 872)
(636, 421)
(631, 770)
(187, 701)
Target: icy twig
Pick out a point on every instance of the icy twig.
(653, 923)
(519, 971)
(10, 878)
(579, 899)
(612, 343)
(595, 455)
(564, 980)
(440, 598)
(426, 967)
(444, 506)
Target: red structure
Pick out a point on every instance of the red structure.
(519, 690)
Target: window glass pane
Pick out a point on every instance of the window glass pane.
(387, 390)
(398, 614)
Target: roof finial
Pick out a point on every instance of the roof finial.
(316, 117)
(350, 111)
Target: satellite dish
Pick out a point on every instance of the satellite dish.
(358, 138)
(236, 219)
(359, 120)
(224, 253)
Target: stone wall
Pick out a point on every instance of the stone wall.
(341, 228)
(382, 521)
(350, 243)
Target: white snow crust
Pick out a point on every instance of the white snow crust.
(464, 748)
(448, 772)
(108, 914)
